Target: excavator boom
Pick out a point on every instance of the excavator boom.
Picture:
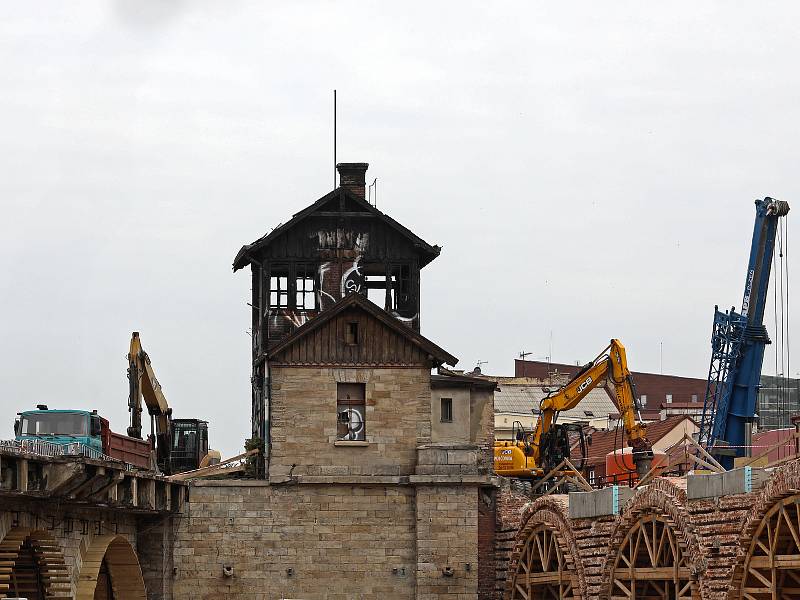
(610, 366)
(182, 444)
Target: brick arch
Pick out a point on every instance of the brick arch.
(780, 489)
(111, 556)
(661, 505)
(548, 514)
(37, 558)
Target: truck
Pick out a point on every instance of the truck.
(79, 432)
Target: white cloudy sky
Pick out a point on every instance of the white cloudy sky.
(589, 170)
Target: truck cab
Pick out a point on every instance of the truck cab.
(61, 427)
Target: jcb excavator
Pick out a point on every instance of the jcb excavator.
(534, 454)
(180, 444)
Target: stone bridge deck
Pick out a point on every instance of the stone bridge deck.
(78, 527)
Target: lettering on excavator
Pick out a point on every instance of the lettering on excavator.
(585, 384)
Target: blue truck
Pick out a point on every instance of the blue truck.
(85, 431)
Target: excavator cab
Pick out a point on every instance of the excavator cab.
(557, 445)
(189, 444)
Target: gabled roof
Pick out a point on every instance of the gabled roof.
(356, 300)
(427, 252)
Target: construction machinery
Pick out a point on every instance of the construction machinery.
(737, 349)
(543, 451)
(180, 444)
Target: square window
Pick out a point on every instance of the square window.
(694, 397)
(669, 398)
(643, 399)
(351, 414)
(446, 413)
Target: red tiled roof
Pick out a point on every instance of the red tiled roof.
(604, 442)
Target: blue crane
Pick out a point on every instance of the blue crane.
(737, 349)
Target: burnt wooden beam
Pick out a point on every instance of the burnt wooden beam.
(336, 213)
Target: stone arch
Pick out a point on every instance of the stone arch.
(38, 570)
(771, 529)
(110, 570)
(653, 550)
(545, 561)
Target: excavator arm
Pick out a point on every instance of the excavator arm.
(143, 384)
(611, 365)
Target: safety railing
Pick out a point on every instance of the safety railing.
(49, 449)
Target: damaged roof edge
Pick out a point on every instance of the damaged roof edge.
(243, 257)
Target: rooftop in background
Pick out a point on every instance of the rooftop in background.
(603, 442)
(653, 388)
(523, 398)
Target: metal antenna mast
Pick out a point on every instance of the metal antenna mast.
(334, 139)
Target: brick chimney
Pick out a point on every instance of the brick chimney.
(353, 177)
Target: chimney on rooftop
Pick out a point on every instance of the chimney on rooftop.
(353, 176)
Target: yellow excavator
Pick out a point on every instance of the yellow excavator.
(534, 454)
(180, 444)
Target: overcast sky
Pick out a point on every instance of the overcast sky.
(589, 170)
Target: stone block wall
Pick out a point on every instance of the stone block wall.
(447, 542)
(296, 541)
(304, 421)
(329, 541)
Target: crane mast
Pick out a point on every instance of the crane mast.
(737, 348)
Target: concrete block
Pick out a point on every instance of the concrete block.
(598, 503)
(703, 486)
(716, 485)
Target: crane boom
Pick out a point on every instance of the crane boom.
(737, 348)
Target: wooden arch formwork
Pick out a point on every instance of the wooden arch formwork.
(653, 548)
(32, 566)
(772, 563)
(650, 563)
(110, 571)
(542, 565)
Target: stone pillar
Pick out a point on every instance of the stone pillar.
(155, 541)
